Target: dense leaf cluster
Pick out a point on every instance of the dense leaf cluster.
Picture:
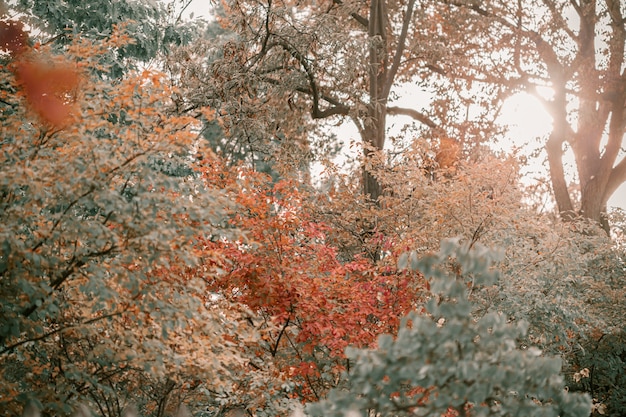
(448, 361)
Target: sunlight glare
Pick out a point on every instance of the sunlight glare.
(528, 121)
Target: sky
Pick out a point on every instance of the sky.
(528, 123)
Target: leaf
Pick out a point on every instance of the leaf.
(13, 37)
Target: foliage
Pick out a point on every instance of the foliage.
(245, 128)
(448, 362)
(570, 55)
(154, 27)
(599, 370)
(91, 310)
(563, 279)
(290, 63)
(139, 267)
(283, 268)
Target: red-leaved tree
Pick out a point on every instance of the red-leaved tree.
(282, 267)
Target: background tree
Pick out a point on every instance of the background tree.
(154, 27)
(299, 56)
(293, 62)
(570, 55)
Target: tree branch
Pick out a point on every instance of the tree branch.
(337, 109)
(58, 220)
(61, 329)
(316, 113)
(56, 284)
(360, 19)
(617, 178)
(391, 75)
(559, 17)
(420, 117)
(274, 350)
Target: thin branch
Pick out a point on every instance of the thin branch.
(576, 7)
(337, 109)
(559, 18)
(179, 18)
(264, 44)
(397, 59)
(56, 284)
(10, 348)
(360, 19)
(58, 220)
(280, 335)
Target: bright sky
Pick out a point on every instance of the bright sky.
(530, 125)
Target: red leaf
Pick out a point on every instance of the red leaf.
(13, 38)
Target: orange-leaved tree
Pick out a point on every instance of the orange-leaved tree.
(91, 214)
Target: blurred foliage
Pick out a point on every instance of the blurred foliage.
(164, 242)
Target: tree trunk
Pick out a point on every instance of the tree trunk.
(373, 134)
(375, 138)
(593, 203)
(554, 148)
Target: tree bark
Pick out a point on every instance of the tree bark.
(374, 125)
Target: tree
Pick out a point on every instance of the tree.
(154, 27)
(297, 61)
(570, 55)
(92, 309)
(298, 54)
(562, 278)
(283, 269)
(242, 132)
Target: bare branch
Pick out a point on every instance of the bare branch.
(400, 48)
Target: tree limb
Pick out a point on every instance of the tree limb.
(391, 75)
(360, 19)
(313, 90)
(10, 348)
(420, 117)
(617, 178)
(56, 284)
